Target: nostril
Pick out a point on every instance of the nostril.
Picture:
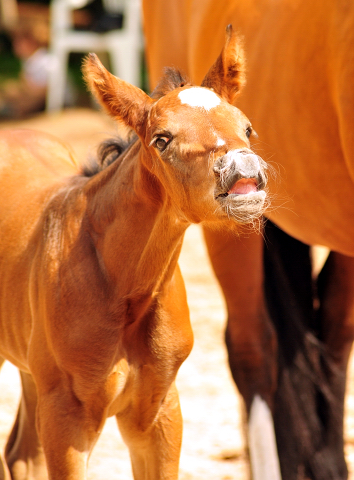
(220, 164)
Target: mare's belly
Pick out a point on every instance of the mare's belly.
(317, 212)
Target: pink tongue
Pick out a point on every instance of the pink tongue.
(243, 186)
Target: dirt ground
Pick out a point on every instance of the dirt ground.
(213, 447)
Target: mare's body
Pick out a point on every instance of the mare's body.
(300, 99)
(93, 307)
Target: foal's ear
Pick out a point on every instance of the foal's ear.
(227, 76)
(122, 101)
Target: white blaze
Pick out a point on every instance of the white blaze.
(220, 142)
(199, 97)
(262, 443)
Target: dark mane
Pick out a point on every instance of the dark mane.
(171, 80)
(111, 149)
(107, 152)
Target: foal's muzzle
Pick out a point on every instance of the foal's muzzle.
(239, 172)
(240, 182)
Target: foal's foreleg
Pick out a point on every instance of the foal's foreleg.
(4, 473)
(250, 339)
(24, 454)
(69, 425)
(152, 429)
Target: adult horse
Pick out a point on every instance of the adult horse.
(289, 343)
(93, 307)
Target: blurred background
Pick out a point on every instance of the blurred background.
(43, 42)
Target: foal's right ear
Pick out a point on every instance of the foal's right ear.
(122, 101)
(228, 76)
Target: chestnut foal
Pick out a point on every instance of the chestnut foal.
(93, 306)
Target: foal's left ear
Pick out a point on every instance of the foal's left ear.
(122, 101)
(227, 76)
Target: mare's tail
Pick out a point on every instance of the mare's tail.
(308, 416)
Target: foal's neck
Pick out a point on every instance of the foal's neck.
(137, 231)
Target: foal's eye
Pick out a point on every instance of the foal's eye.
(161, 143)
(248, 131)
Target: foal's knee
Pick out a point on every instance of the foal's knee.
(148, 414)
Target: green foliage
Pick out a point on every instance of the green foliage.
(10, 66)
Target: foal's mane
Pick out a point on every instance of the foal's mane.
(111, 149)
(172, 79)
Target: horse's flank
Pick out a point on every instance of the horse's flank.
(298, 91)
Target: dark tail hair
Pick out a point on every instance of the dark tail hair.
(308, 417)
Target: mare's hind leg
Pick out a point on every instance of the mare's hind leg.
(250, 339)
(336, 324)
(23, 453)
(313, 352)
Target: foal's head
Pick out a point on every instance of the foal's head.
(193, 139)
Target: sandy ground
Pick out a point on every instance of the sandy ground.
(213, 447)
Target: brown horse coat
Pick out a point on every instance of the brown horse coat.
(299, 71)
(93, 307)
(300, 99)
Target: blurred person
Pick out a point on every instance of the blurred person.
(26, 95)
